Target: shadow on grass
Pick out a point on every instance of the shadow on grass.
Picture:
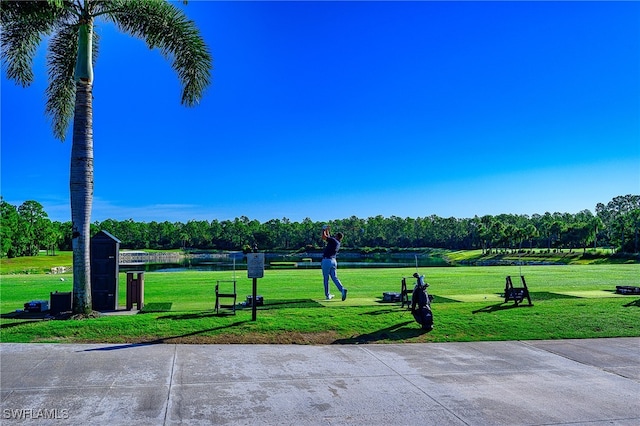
(436, 299)
(547, 295)
(635, 303)
(156, 307)
(400, 331)
(287, 303)
(501, 307)
(195, 315)
(535, 296)
(440, 299)
(25, 318)
(26, 315)
(276, 304)
(163, 340)
(15, 324)
(382, 312)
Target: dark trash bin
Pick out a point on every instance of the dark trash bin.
(60, 302)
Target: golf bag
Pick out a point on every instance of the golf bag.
(421, 303)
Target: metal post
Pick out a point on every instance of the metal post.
(254, 300)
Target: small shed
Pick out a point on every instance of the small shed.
(105, 269)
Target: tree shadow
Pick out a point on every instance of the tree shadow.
(164, 340)
(27, 318)
(16, 324)
(276, 304)
(399, 331)
(26, 315)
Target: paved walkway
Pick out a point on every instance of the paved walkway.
(584, 382)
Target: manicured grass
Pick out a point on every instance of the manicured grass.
(36, 264)
(569, 302)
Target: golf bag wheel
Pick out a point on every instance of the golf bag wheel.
(424, 317)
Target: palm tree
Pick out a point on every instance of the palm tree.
(531, 232)
(595, 225)
(72, 51)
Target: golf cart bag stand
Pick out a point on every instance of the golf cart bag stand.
(405, 294)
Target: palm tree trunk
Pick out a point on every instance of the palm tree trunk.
(81, 191)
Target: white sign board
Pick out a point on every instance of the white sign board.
(255, 265)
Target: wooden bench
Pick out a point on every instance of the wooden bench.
(517, 294)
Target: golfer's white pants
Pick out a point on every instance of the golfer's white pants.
(329, 269)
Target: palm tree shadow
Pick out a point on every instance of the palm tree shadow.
(16, 324)
(25, 318)
(395, 332)
(164, 340)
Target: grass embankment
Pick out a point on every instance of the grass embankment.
(541, 256)
(569, 302)
(36, 264)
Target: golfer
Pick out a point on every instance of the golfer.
(329, 263)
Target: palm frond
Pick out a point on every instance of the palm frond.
(61, 92)
(162, 25)
(24, 24)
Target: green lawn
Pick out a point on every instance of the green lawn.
(569, 302)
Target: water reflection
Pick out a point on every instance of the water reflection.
(177, 262)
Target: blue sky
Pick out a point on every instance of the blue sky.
(331, 109)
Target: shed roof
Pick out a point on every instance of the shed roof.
(107, 234)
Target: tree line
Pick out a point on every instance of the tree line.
(26, 229)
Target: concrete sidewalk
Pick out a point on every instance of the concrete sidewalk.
(593, 381)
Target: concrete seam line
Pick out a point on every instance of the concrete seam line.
(173, 366)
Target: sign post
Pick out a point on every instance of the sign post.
(255, 270)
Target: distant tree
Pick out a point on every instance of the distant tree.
(35, 226)
(618, 216)
(215, 234)
(308, 232)
(497, 235)
(484, 233)
(511, 235)
(595, 225)
(72, 53)
(555, 230)
(634, 224)
(198, 233)
(531, 232)
(9, 229)
(54, 236)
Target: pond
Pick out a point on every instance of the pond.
(160, 262)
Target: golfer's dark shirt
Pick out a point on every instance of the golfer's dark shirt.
(331, 250)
